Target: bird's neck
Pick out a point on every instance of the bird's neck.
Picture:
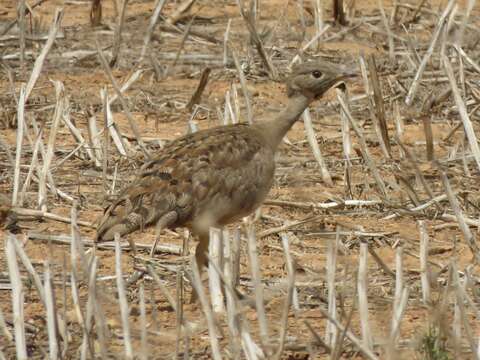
(274, 130)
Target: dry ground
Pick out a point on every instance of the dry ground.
(158, 107)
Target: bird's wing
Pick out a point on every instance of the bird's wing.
(186, 175)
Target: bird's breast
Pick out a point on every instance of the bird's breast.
(236, 193)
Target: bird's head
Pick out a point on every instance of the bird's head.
(312, 79)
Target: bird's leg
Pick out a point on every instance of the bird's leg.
(201, 252)
(201, 259)
(165, 221)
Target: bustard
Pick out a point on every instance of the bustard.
(213, 177)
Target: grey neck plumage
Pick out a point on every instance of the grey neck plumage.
(274, 130)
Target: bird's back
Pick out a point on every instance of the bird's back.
(208, 178)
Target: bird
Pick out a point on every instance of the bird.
(216, 176)
(8, 218)
(5, 208)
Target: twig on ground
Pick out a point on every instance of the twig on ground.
(401, 293)
(131, 121)
(257, 283)
(107, 245)
(428, 54)
(17, 298)
(424, 268)
(331, 332)
(111, 125)
(215, 250)
(207, 310)
(159, 4)
(19, 143)
(339, 13)
(162, 287)
(357, 342)
(96, 13)
(37, 67)
(179, 12)
(122, 298)
(380, 262)
(312, 140)
(462, 221)
(47, 215)
(364, 148)
(144, 352)
(346, 142)
(4, 329)
(374, 108)
(31, 270)
(14, 22)
(47, 160)
(467, 124)
(231, 305)
(257, 41)
(243, 84)
(52, 311)
(362, 289)
(117, 37)
(21, 26)
(195, 99)
(379, 104)
(290, 293)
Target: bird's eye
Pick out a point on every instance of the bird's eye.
(316, 74)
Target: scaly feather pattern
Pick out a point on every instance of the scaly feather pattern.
(208, 178)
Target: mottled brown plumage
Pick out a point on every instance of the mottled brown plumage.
(5, 207)
(8, 219)
(216, 176)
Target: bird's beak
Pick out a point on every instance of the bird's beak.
(349, 71)
(346, 72)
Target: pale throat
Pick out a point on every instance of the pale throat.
(275, 129)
